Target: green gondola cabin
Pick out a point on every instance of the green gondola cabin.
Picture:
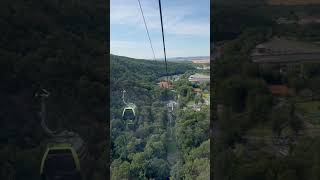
(129, 114)
(60, 162)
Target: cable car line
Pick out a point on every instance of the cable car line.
(64, 151)
(129, 111)
(44, 94)
(145, 24)
(123, 92)
(169, 114)
(163, 42)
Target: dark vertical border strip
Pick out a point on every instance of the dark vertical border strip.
(211, 91)
(213, 105)
(107, 58)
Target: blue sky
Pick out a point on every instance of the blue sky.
(186, 26)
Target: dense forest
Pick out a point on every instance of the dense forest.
(139, 78)
(60, 46)
(156, 147)
(259, 135)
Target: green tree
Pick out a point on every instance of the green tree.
(120, 170)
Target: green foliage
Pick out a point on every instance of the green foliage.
(139, 78)
(197, 162)
(59, 46)
(159, 168)
(120, 170)
(192, 129)
(246, 102)
(142, 152)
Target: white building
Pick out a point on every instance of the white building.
(199, 78)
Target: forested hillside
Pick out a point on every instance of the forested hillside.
(252, 122)
(56, 45)
(139, 78)
(161, 144)
(258, 133)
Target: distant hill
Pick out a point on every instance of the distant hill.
(189, 58)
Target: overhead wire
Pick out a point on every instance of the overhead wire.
(166, 64)
(163, 41)
(148, 34)
(145, 24)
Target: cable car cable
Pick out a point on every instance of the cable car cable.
(145, 24)
(164, 45)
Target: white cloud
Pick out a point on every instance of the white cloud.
(131, 49)
(176, 19)
(185, 35)
(122, 13)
